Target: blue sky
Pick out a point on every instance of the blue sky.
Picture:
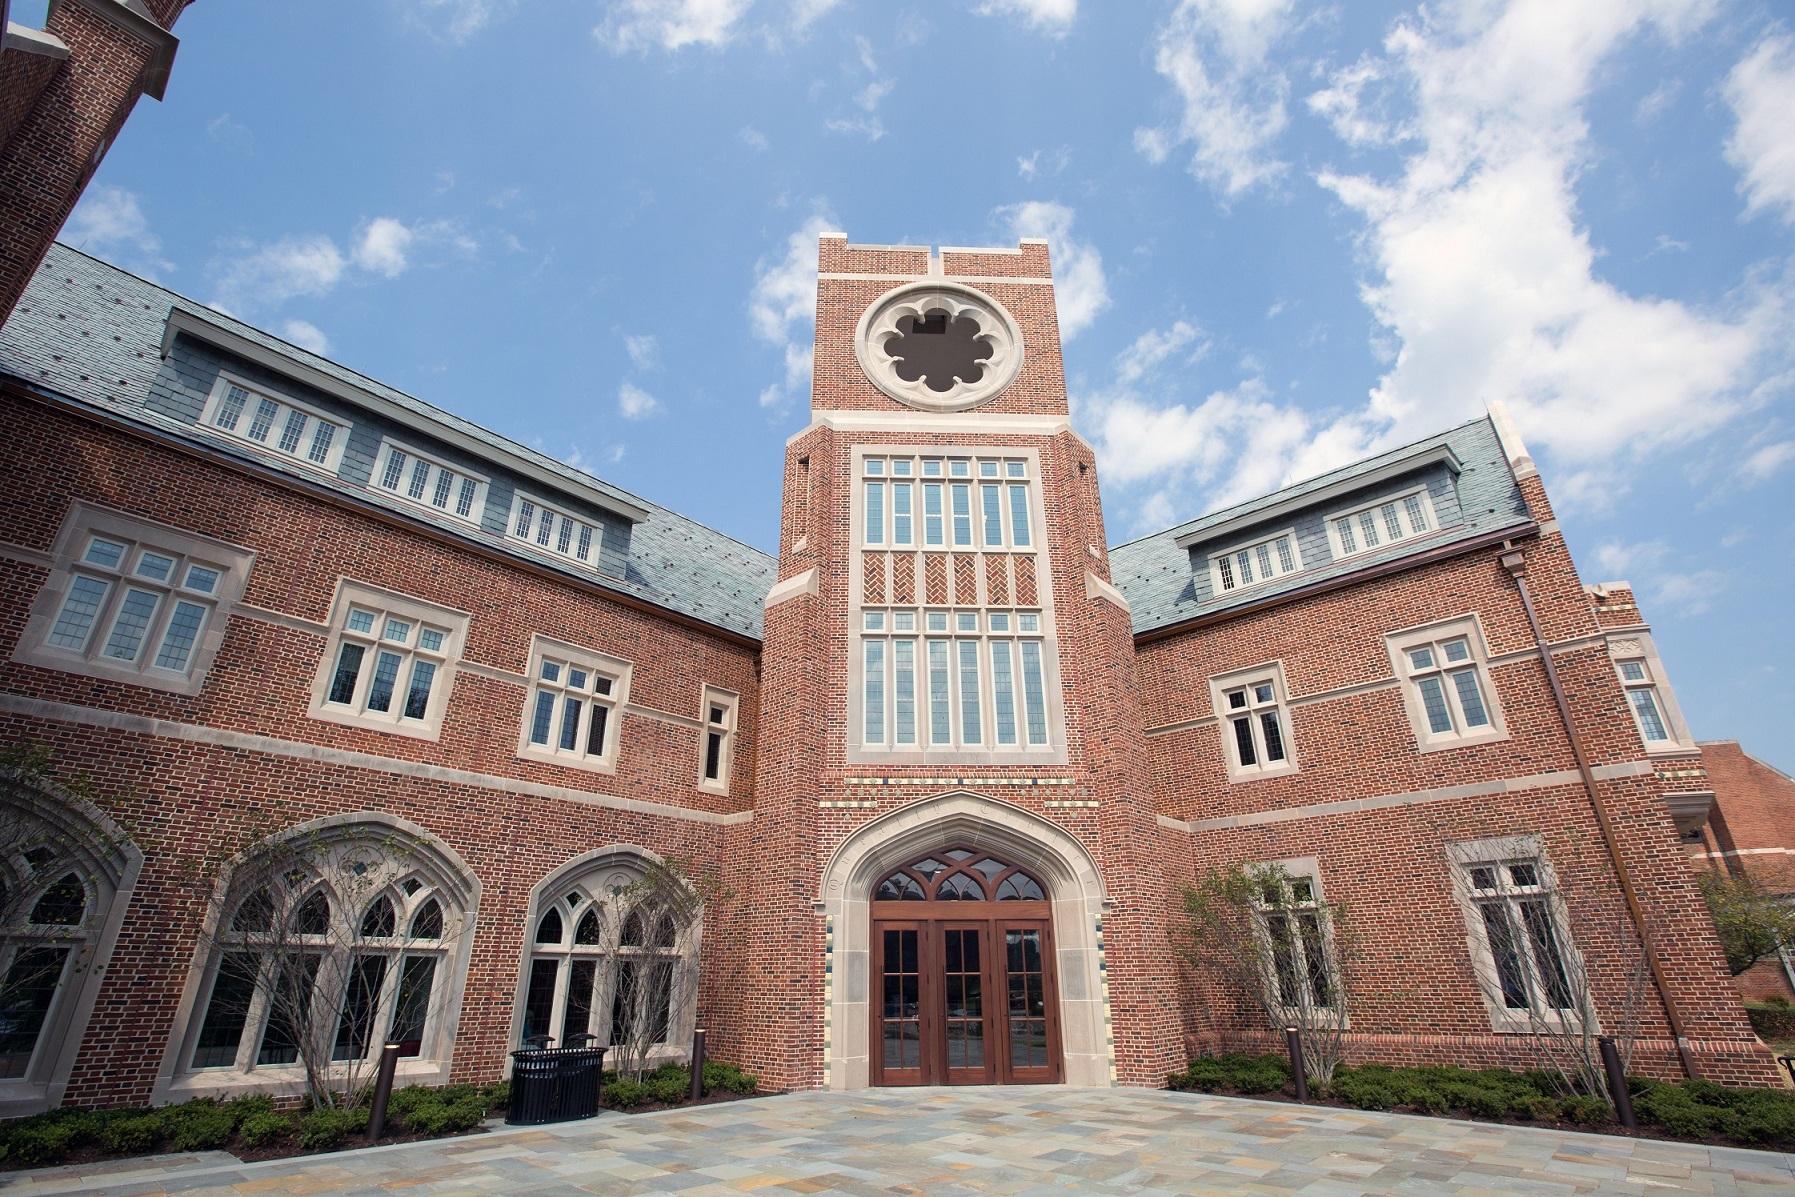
(1286, 235)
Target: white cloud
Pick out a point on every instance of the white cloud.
(109, 223)
(867, 99)
(1765, 462)
(753, 138)
(1642, 563)
(264, 276)
(382, 247)
(634, 403)
(1344, 105)
(644, 350)
(1231, 100)
(782, 306)
(1152, 348)
(306, 335)
(458, 20)
(1047, 163)
(1052, 17)
(806, 12)
(232, 134)
(641, 25)
(1079, 284)
(1761, 91)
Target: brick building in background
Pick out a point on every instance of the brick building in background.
(65, 92)
(951, 758)
(1749, 831)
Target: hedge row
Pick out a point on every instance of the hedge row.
(1772, 1019)
(1690, 1110)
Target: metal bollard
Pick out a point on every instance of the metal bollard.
(1617, 1083)
(697, 1065)
(1293, 1040)
(383, 1089)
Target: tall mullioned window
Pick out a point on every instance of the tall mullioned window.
(571, 716)
(963, 660)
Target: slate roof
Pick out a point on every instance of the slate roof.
(92, 332)
(1157, 576)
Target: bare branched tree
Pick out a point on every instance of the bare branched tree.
(657, 959)
(1267, 935)
(1536, 982)
(324, 945)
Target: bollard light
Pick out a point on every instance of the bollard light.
(383, 1089)
(697, 1065)
(1293, 1041)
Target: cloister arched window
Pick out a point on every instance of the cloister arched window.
(65, 873)
(326, 943)
(612, 958)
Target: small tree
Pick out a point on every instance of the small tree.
(328, 943)
(657, 967)
(1753, 925)
(1267, 935)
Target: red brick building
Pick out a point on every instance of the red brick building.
(951, 759)
(65, 92)
(1749, 831)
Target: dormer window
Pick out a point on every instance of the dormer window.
(1251, 564)
(1393, 518)
(275, 423)
(550, 529)
(402, 471)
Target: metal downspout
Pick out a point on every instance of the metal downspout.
(1515, 562)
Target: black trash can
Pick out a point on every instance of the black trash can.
(554, 1084)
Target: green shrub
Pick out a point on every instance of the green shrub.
(625, 1093)
(1587, 1111)
(42, 1143)
(498, 1094)
(405, 1102)
(244, 1108)
(326, 1127)
(261, 1129)
(671, 1090)
(199, 1126)
(1673, 1109)
(728, 1078)
(1542, 1108)
(132, 1135)
(1233, 1073)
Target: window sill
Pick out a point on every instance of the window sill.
(45, 657)
(568, 760)
(715, 787)
(1238, 776)
(1442, 744)
(283, 1081)
(415, 729)
(1672, 748)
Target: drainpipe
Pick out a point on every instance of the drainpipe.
(1515, 562)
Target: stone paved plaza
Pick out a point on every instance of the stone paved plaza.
(940, 1141)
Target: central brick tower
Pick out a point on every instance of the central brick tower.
(949, 684)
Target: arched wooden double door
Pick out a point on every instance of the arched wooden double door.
(962, 957)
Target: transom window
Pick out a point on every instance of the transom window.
(959, 875)
(571, 715)
(1446, 684)
(1390, 519)
(402, 471)
(1521, 955)
(1251, 708)
(950, 678)
(1251, 564)
(553, 530)
(946, 502)
(280, 425)
(389, 661)
(134, 600)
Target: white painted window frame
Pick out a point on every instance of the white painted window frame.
(1469, 627)
(401, 492)
(528, 539)
(1639, 649)
(1503, 851)
(421, 614)
(1337, 547)
(595, 663)
(221, 387)
(1270, 545)
(730, 702)
(1247, 680)
(80, 526)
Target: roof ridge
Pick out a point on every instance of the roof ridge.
(208, 311)
(1289, 486)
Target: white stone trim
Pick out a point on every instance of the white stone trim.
(419, 612)
(1347, 806)
(1234, 679)
(731, 702)
(1098, 588)
(913, 422)
(1509, 436)
(1470, 627)
(84, 520)
(997, 327)
(191, 733)
(1638, 645)
(1057, 859)
(593, 661)
(792, 587)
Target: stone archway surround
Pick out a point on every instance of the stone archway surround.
(1054, 855)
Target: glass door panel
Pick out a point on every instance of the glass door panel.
(1031, 1054)
(963, 986)
(899, 1053)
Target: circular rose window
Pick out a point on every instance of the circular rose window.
(939, 346)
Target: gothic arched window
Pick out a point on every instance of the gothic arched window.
(341, 937)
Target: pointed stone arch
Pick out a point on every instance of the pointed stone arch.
(1049, 851)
